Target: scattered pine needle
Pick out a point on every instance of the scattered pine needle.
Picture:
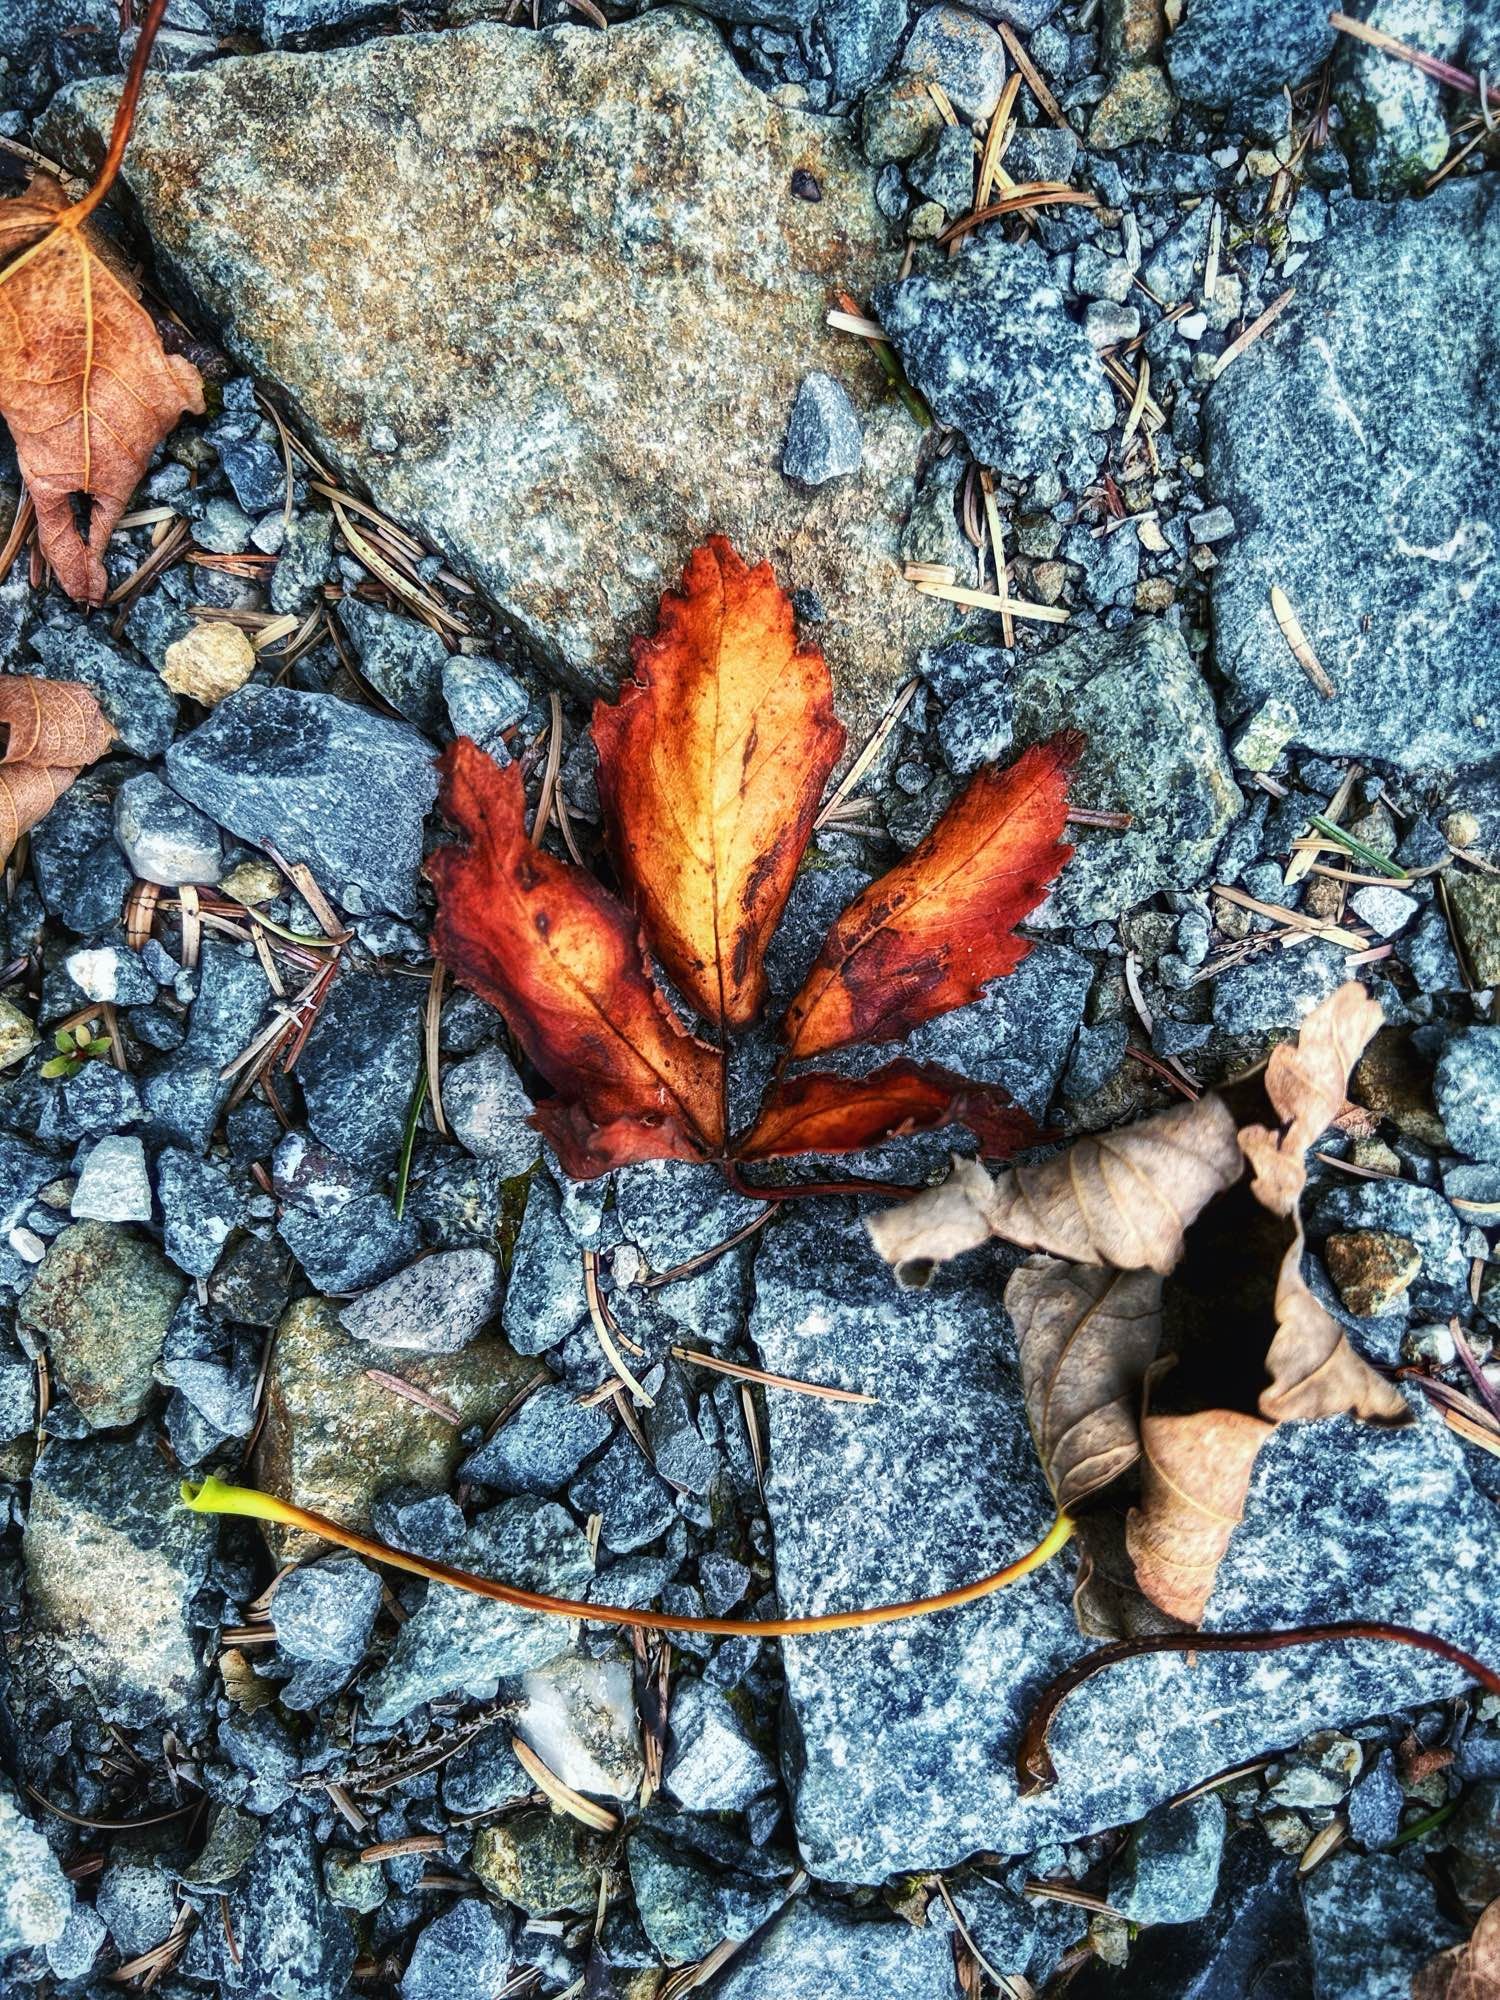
(996, 139)
(1297, 639)
(988, 600)
(1027, 194)
(603, 1333)
(1032, 74)
(1253, 332)
(563, 1797)
(743, 1373)
(879, 736)
(1433, 66)
(399, 1387)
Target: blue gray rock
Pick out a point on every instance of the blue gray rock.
(687, 1906)
(36, 1898)
(110, 972)
(954, 48)
(1467, 1090)
(184, 1096)
(1276, 989)
(545, 1299)
(457, 1643)
(336, 786)
(1394, 130)
(487, 1110)
(461, 1954)
(1373, 1920)
(72, 1953)
(674, 1210)
(137, 703)
(988, 341)
(80, 873)
(1152, 748)
(863, 37)
(904, 1738)
(1422, 1216)
(201, 1208)
(1252, 1944)
(1358, 491)
(432, 1307)
(634, 1505)
(1375, 1804)
(294, 1943)
(1170, 1871)
(100, 1305)
(404, 661)
(324, 1611)
(482, 700)
(712, 1765)
(823, 438)
(541, 1447)
(137, 1899)
(818, 1947)
(1221, 54)
(360, 1066)
(112, 1564)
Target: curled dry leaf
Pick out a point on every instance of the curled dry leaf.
(1123, 1198)
(1087, 1335)
(1195, 1475)
(931, 933)
(53, 729)
(85, 385)
(711, 765)
(820, 1113)
(1314, 1371)
(1307, 1082)
(1469, 1971)
(563, 961)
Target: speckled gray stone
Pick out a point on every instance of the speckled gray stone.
(1467, 1090)
(461, 1644)
(1362, 488)
(988, 341)
(1222, 52)
(598, 443)
(540, 1448)
(901, 1754)
(712, 1765)
(823, 437)
(1152, 748)
(432, 1307)
(461, 1954)
(817, 1948)
(487, 1108)
(36, 1898)
(336, 786)
(1170, 1870)
(1373, 1920)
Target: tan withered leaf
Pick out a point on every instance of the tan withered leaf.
(1314, 1371)
(1470, 1971)
(1307, 1083)
(1087, 1335)
(1195, 1474)
(1123, 1198)
(52, 729)
(85, 385)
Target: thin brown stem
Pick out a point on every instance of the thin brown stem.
(119, 137)
(1034, 1767)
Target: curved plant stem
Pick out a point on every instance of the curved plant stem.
(1034, 1768)
(212, 1496)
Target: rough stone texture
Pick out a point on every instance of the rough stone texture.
(294, 1943)
(1222, 51)
(901, 1746)
(336, 786)
(359, 1065)
(1373, 1921)
(712, 1765)
(588, 308)
(989, 344)
(333, 1439)
(1171, 1870)
(112, 1182)
(1363, 488)
(819, 1948)
(435, 1307)
(486, 1106)
(579, 1716)
(1467, 1090)
(685, 1908)
(1152, 748)
(465, 1951)
(36, 1898)
(1252, 1945)
(458, 1643)
(101, 1304)
(112, 1559)
(1395, 128)
(823, 438)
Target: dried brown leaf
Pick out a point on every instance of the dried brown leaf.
(1195, 1473)
(1307, 1083)
(52, 729)
(1123, 1198)
(1087, 1335)
(1314, 1371)
(1470, 1971)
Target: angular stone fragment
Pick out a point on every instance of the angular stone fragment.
(1363, 488)
(1152, 749)
(649, 343)
(112, 1563)
(987, 340)
(36, 1898)
(818, 1947)
(434, 1307)
(336, 786)
(209, 662)
(100, 1305)
(333, 1438)
(902, 1751)
(1221, 51)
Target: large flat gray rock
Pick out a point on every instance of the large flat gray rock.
(1354, 446)
(568, 273)
(901, 1748)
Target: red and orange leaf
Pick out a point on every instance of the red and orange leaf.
(929, 935)
(821, 1113)
(85, 385)
(562, 960)
(711, 765)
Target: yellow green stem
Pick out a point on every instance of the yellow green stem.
(212, 1496)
